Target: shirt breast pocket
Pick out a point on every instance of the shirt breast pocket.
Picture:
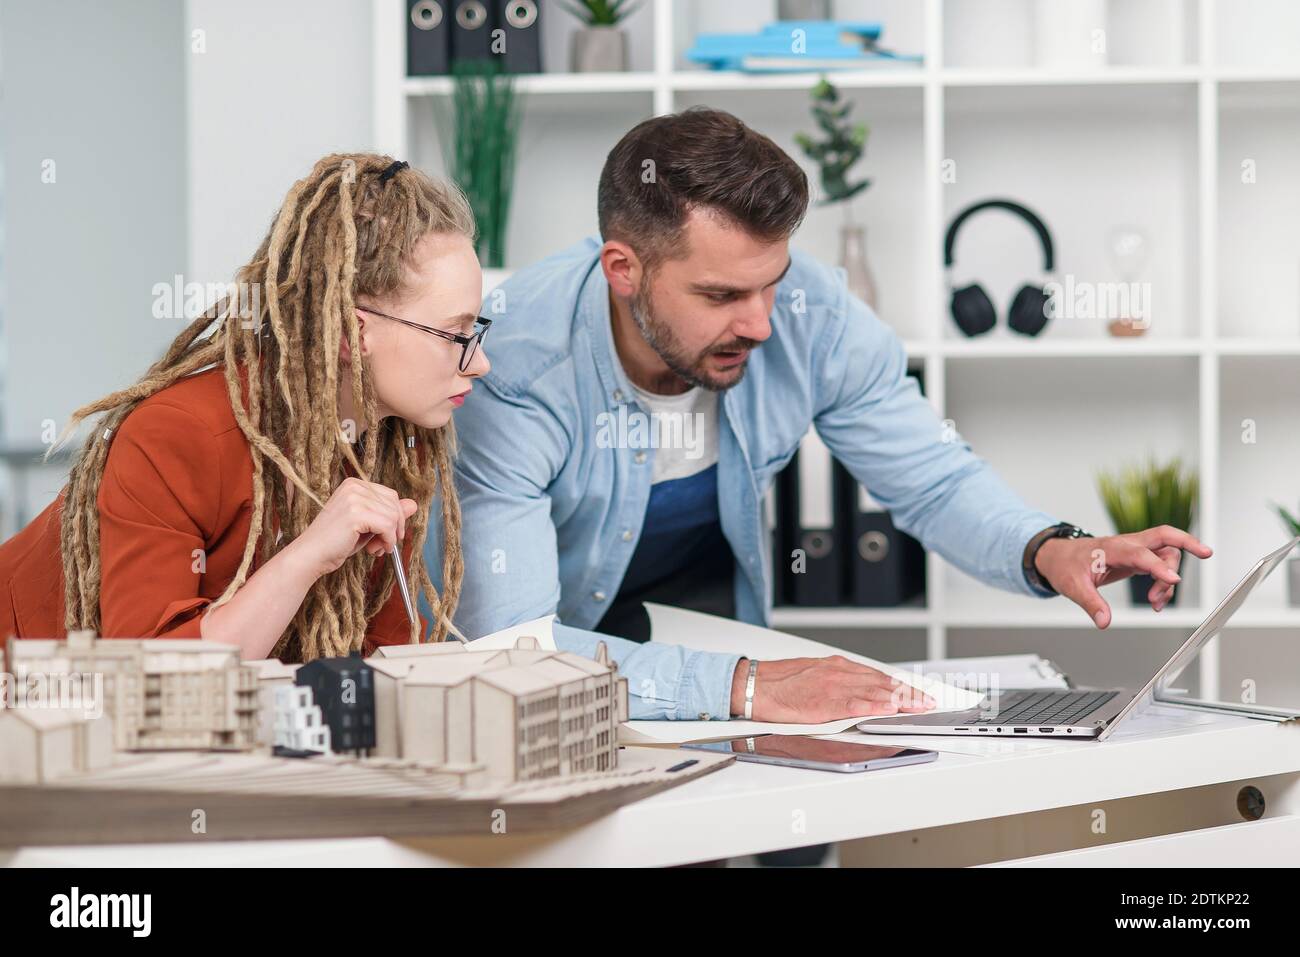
(765, 474)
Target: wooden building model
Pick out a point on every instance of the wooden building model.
(40, 744)
(522, 713)
(161, 694)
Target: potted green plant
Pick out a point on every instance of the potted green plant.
(479, 134)
(843, 145)
(599, 46)
(1141, 497)
(1293, 564)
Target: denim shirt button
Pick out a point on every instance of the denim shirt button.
(618, 395)
(705, 716)
(627, 534)
(639, 458)
(598, 596)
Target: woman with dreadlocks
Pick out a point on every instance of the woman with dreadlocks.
(249, 487)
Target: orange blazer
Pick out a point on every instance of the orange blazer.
(174, 511)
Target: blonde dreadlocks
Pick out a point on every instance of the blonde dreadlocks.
(343, 232)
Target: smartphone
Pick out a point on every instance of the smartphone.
(798, 751)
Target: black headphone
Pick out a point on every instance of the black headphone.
(971, 307)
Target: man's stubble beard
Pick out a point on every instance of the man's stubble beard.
(661, 339)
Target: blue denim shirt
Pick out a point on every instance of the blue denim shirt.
(552, 513)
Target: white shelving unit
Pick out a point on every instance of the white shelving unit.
(1158, 139)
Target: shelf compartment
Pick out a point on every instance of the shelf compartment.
(1258, 201)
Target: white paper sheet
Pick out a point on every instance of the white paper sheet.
(540, 628)
(998, 671)
(676, 626)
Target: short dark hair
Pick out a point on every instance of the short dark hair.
(700, 158)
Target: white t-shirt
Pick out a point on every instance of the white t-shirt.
(684, 431)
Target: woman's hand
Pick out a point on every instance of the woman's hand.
(358, 515)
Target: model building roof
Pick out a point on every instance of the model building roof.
(453, 670)
(186, 648)
(583, 664)
(502, 667)
(518, 680)
(392, 667)
(557, 671)
(525, 656)
(268, 668)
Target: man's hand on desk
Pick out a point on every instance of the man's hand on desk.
(814, 690)
(1077, 567)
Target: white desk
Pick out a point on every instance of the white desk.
(1171, 772)
(1162, 789)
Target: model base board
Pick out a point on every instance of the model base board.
(152, 798)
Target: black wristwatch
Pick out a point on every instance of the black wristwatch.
(1063, 530)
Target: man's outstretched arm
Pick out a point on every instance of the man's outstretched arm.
(874, 419)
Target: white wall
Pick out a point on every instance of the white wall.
(280, 85)
(98, 90)
(105, 103)
(168, 161)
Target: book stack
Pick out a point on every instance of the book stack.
(789, 46)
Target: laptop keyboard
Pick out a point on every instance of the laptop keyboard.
(1044, 707)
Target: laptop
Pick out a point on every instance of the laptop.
(1092, 714)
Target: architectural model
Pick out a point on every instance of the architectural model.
(41, 744)
(460, 741)
(503, 715)
(161, 694)
(521, 713)
(344, 690)
(299, 726)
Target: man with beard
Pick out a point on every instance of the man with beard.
(648, 386)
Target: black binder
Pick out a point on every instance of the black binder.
(428, 32)
(521, 22)
(848, 547)
(885, 566)
(471, 30)
(811, 558)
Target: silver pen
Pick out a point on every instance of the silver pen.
(399, 571)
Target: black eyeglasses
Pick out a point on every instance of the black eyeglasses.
(468, 344)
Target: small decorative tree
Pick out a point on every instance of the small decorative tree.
(601, 13)
(843, 146)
